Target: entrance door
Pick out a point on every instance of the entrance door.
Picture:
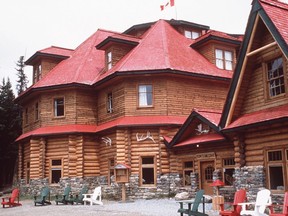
(207, 169)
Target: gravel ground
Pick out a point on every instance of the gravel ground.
(158, 207)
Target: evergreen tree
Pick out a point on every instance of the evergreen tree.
(10, 129)
(22, 78)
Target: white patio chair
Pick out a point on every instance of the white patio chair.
(263, 200)
(93, 198)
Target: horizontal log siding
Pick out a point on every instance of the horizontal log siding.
(159, 96)
(86, 107)
(118, 95)
(182, 98)
(106, 152)
(47, 65)
(260, 140)
(91, 157)
(57, 148)
(144, 148)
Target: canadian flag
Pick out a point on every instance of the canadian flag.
(169, 3)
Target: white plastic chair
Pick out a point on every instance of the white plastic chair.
(263, 200)
(94, 198)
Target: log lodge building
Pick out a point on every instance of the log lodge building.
(167, 103)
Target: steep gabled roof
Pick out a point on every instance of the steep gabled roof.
(186, 134)
(163, 48)
(274, 15)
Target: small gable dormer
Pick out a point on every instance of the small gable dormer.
(221, 49)
(45, 60)
(116, 47)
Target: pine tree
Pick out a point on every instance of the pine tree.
(22, 78)
(10, 129)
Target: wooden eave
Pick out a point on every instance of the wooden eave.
(212, 38)
(112, 40)
(159, 72)
(256, 12)
(188, 24)
(31, 91)
(39, 55)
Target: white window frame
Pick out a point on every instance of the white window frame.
(145, 95)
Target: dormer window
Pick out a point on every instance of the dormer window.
(224, 59)
(37, 73)
(109, 60)
(191, 34)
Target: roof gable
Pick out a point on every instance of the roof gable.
(193, 130)
(257, 16)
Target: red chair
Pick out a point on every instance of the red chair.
(13, 200)
(284, 207)
(239, 197)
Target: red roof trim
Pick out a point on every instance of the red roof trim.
(126, 121)
(259, 117)
(201, 139)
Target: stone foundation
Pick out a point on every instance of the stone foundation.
(168, 185)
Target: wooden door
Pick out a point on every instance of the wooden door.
(207, 169)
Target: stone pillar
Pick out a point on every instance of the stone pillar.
(194, 182)
(251, 178)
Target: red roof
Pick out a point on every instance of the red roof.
(198, 139)
(162, 48)
(121, 122)
(261, 116)
(278, 13)
(57, 51)
(212, 115)
(82, 67)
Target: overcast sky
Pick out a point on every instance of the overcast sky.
(31, 25)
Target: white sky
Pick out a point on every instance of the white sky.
(31, 25)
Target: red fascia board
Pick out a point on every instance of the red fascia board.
(259, 118)
(127, 121)
(200, 139)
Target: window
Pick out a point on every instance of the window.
(37, 73)
(56, 170)
(275, 77)
(276, 169)
(145, 95)
(26, 116)
(36, 111)
(59, 107)
(111, 165)
(109, 102)
(147, 174)
(188, 168)
(191, 34)
(109, 60)
(209, 173)
(228, 171)
(224, 59)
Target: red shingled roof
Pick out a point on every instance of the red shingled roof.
(82, 67)
(121, 122)
(57, 51)
(278, 13)
(161, 48)
(259, 117)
